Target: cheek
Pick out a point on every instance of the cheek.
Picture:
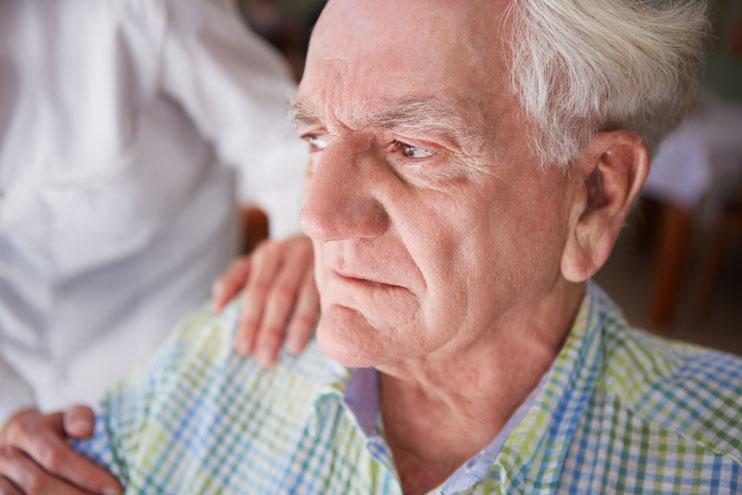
(520, 252)
(435, 237)
(497, 255)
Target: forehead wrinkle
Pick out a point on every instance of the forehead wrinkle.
(457, 118)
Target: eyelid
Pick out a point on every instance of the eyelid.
(428, 148)
(317, 141)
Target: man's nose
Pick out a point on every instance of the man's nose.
(338, 200)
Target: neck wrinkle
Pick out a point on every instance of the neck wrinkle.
(494, 374)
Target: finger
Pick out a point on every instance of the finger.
(79, 421)
(19, 469)
(17, 421)
(28, 425)
(47, 448)
(265, 263)
(304, 317)
(280, 301)
(8, 488)
(229, 283)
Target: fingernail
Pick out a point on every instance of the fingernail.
(79, 424)
(242, 347)
(111, 491)
(246, 349)
(293, 344)
(265, 356)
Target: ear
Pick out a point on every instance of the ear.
(608, 175)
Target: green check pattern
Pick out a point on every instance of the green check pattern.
(620, 411)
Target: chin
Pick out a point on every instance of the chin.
(346, 337)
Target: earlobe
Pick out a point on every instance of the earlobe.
(612, 169)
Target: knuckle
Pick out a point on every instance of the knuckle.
(233, 271)
(309, 302)
(304, 248)
(303, 322)
(18, 429)
(271, 333)
(6, 454)
(247, 324)
(283, 292)
(263, 244)
(236, 264)
(308, 283)
(266, 247)
(227, 282)
(218, 284)
(258, 286)
(51, 457)
(34, 483)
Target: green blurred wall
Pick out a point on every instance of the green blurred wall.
(723, 74)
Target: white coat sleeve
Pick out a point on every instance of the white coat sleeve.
(15, 392)
(235, 87)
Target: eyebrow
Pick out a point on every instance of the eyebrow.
(452, 118)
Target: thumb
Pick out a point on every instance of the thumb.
(79, 421)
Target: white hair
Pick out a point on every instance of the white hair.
(583, 66)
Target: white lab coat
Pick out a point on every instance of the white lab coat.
(117, 118)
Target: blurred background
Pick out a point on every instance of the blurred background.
(677, 268)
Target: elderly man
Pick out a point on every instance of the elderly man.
(472, 164)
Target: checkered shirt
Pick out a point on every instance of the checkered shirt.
(619, 411)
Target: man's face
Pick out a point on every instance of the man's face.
(431, 220)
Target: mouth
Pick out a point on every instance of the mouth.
(363, 282)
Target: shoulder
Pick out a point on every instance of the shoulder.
(161, 428)
(680, 389)
(197, 374)
(200, 353)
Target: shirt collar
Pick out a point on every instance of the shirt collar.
(477, 467)
(358, 392)
(362, 399)
(545, 420)
(546, 429)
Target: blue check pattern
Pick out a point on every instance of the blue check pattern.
(619, 411)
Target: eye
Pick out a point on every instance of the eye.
(410, 151)
(316, 142)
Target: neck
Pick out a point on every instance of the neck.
(442, 409)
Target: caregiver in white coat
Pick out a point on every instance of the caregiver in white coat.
(129, 132)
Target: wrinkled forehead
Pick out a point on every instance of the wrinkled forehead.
(364, 53)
